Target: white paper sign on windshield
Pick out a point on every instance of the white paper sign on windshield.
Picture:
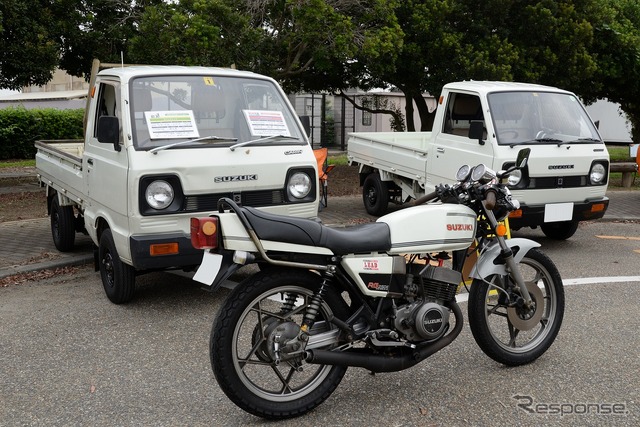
(171, 124)
(266, 123)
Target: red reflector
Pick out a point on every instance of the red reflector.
(204, 232)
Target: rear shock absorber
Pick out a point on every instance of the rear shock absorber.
(316, 300)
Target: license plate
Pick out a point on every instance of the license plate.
(209, 268)
(554, 212)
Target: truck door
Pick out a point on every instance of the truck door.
(106, 166)
(452, 146)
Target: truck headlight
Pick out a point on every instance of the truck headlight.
(514, 178)
(597, 174)
(299, 185)
(159, 194)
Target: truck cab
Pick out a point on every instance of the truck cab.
(163, 143)
(489, 122)
(566, 179)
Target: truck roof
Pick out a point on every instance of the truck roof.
(484, 87)
(128, 72)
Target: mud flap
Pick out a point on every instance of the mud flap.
(215, 269)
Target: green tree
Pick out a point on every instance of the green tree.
(195, 32)
(617, 51)
(28, 43)
(534, 41)
(99, 29)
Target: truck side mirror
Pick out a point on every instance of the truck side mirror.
(523, 158)
(108, 131)
(476, 131)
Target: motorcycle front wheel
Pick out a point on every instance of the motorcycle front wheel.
(258, 312)
(510, 334)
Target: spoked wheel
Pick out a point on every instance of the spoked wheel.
(511, 334)
(255, 354)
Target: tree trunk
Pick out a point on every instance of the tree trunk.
(411, 126)
(426, 118)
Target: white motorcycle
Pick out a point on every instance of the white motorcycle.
(379, 296)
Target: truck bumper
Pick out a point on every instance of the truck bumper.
(163, 251)
(533, 216)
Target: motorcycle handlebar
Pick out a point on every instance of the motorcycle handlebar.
(426, 198)
(490, 200)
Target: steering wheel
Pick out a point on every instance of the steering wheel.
(544, 133)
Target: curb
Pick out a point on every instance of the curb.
(74, 261)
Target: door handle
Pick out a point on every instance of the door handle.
(90, 161)
(440, 149)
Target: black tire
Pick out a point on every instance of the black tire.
(118, 278)
(375, 195)
(559, 230)
(62, 226)
(491, 322)
(240, 353)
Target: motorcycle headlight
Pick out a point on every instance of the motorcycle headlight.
(159, 194)
(299, 185)
(597, 174)
(514, 178)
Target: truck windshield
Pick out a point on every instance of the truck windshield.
(540, 118)
(209, 111)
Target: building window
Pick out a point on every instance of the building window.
(366, 115)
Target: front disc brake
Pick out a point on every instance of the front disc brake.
(525, 319)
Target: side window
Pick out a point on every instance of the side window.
(462, 109)
(108, 104)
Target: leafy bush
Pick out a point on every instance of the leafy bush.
(20, 128)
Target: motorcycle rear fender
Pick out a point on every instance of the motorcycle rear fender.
(485, 266)
(234, 235)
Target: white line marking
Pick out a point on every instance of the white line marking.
(579, 281)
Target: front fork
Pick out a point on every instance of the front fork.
(506, 255)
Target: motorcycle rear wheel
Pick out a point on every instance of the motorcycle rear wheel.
(495, 326)
(242, 354)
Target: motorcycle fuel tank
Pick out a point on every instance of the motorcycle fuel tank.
(431, 228)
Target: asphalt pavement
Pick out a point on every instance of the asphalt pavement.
(27, 246)
(72, 358)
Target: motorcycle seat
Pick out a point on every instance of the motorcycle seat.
(362, 238)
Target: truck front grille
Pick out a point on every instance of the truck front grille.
(557, 182)
(209, 202)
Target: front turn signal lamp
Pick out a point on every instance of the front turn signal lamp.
(204, 232)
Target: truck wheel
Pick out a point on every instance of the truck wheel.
(559, 230)
(62, 226)
(117, 277)
(375, 195)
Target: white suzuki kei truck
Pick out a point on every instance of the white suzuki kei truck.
(163, 143)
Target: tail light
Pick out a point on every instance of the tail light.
(204, 232)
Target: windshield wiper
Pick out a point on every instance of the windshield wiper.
(262, 139)
(210, 138)
(547, 139)
(573, 141)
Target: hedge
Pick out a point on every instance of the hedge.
(20, 128)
